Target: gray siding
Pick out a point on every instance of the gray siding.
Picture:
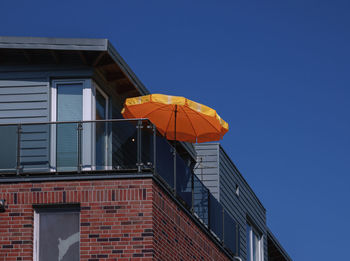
(23, 101)
(25, 98)
(222, 176)
(207, 167)
(242, 206)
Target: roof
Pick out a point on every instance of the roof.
(73, 44)
(90, 51)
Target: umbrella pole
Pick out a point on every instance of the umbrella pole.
(175, 149)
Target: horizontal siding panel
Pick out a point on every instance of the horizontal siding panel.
(22, 83)
(207, 165)
(34, 151)
(204, 171)
(22, 113)
(23, 120)
(24, 106)
(34, 144)
(24, 98)
(12, 90)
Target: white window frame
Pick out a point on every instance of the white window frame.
(252, 231)
(36, 235)
(87, 112)
(99, 89)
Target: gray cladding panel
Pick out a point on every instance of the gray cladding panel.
(207, 167)
(242, 206)
(215, 163)
(25, 101)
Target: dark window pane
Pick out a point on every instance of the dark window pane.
(165, 160)
(124, 144)
(230, 233)
(183, 180)
(200, 200)
(8, 148)
(216, 217)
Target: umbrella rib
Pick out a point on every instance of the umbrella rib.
(207, 121)
(190, 123)
(166, 130)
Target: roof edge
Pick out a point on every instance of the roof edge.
(278, 244)
(50, 43)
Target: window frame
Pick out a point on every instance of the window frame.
(36, 223)
(96, 88)
(87, 114)
(252, 230)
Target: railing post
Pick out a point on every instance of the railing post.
(223, 225)
(237, 238)
(209, 219)
(192, 189)
(154, 148)
(174, 149)
(79, 129)
(18, 160)
(139, 144)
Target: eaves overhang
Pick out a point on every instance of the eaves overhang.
(279, 253)
(86, 48)
(98, 53)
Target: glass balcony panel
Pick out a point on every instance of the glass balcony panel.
(101, 143)
(8, 148)
(67, 146)
(147, 145)
(183, 181)
(230, 233)
(124, 144)
(216, 217)
(165, 160)
(35, 146)
(200, 200)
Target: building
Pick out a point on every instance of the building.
(78, 182)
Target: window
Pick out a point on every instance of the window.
(254, 244)
(70, 101)
(78, 100)
(56, 234)
(101, 129)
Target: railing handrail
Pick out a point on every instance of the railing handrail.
(67, 122)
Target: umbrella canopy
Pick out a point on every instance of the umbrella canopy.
(177, 118)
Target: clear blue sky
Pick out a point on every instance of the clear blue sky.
(277, 71)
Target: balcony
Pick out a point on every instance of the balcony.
(112, 147)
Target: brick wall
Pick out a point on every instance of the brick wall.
(119, 220)
(176, 236)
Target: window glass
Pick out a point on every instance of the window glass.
(69, 108)
(248, 230)
(101, 131)
(70, 102)
(254, 246)
(58, 236)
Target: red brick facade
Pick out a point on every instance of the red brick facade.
(129, 219)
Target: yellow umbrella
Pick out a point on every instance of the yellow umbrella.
(177, 118)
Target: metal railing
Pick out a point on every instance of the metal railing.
(112, 146)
